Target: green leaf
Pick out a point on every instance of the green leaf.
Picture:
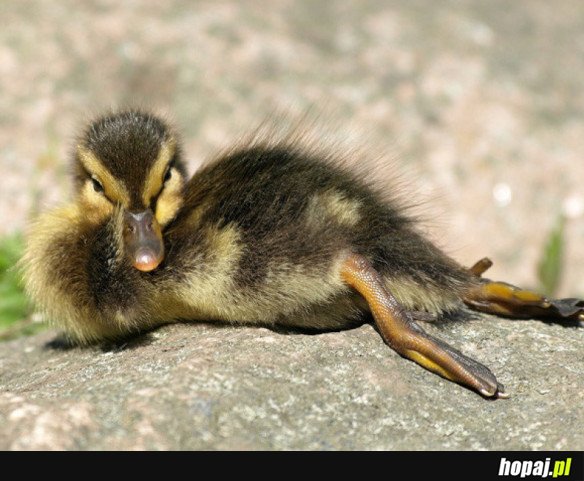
(550, 266)
(13, 302)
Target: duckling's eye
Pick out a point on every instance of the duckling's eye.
(167, 174)
(97, 186)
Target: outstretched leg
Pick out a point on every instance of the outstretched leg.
(403, 335)
(507, 300)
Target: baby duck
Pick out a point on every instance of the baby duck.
(268, 233)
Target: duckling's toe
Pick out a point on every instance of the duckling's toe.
(407, 338)
(438, 356)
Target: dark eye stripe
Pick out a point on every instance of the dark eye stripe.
(167, 174)
(171, 165)
(97, 185)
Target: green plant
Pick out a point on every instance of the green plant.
(15, 313)
(550, 266)
(13, 303)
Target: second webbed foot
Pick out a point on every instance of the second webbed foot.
(505, 299)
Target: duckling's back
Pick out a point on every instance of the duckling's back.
(272, 232)
(274, 223)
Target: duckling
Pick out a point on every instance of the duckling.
(272, 232)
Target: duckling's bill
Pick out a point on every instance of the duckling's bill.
(143, 240)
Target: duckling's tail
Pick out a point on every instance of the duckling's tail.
(503, 299)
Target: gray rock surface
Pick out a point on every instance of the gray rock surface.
(200, 386)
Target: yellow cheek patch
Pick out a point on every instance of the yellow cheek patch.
(95, 206)
(113, 189)
(155, 177)
(170, 200)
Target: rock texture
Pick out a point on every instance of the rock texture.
(200, 386)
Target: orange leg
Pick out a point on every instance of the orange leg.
(507, 300)
(406, 337)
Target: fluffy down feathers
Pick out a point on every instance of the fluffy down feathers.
(257, 235)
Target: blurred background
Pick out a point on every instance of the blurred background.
(483, 102)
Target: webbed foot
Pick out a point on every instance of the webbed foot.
(508, 300)
(405, 336)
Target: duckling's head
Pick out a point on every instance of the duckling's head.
(130, 163)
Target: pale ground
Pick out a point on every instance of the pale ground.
(481, 102)
(206, 387)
